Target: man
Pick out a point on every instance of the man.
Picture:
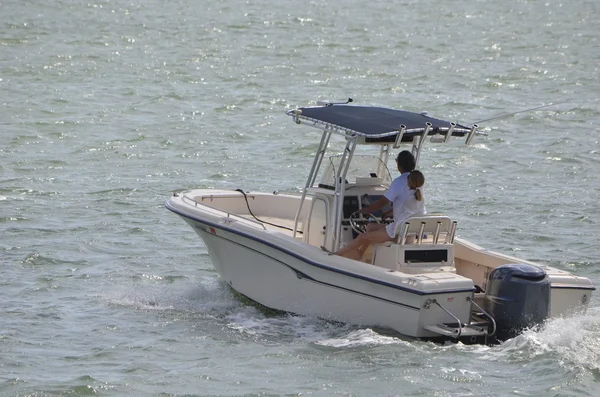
(407, 200)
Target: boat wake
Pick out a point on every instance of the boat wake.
(575, 340)
(212, 298)
(361, 338)
(572, 341)
(209, 297)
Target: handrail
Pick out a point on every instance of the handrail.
(312, 176)
(486, 314)
(340, 191)
(451, 315)
(218, 211)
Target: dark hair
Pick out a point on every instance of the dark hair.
(406, 161)
(416, 179)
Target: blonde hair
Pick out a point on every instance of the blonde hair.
(416, 179)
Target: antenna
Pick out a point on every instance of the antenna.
(520, 111)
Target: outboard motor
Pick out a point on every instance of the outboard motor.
(517, 297)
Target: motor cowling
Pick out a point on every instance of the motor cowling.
(517, 297)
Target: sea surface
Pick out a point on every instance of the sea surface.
(108, 107)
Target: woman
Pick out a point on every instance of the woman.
(407, 200)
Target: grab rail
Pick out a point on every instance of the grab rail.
(459, 329)
(486, 314)
(217, 211)
(452, 315)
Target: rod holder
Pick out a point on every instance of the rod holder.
(436, 235)
(399, 136)
(420, 235)
(402, 237)
(471, 134)
(449, 133)
(450, 237)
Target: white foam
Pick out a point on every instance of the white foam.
(250, 320)
(459, 375)
(361, 337)
(208, 296)
(575, 339)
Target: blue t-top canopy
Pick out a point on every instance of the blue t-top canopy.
(376, 124)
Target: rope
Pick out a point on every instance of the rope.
(259, 220)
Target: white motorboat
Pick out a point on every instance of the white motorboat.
(426, 284)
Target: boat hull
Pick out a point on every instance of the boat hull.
(281, 271)
(281, 281)
(286, 274)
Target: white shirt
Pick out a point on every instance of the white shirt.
(404, 202)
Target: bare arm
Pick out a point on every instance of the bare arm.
(387, 214)
(380, 203)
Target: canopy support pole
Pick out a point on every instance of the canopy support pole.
(312, 176)
(419, 145)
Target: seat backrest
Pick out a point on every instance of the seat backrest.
(424, 245)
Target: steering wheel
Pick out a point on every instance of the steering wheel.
(361, 227)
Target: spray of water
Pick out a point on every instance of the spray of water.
(573, 341)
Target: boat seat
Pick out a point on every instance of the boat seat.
(424, 245)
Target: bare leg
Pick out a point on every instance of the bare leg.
(357, 247)
(360, 252)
